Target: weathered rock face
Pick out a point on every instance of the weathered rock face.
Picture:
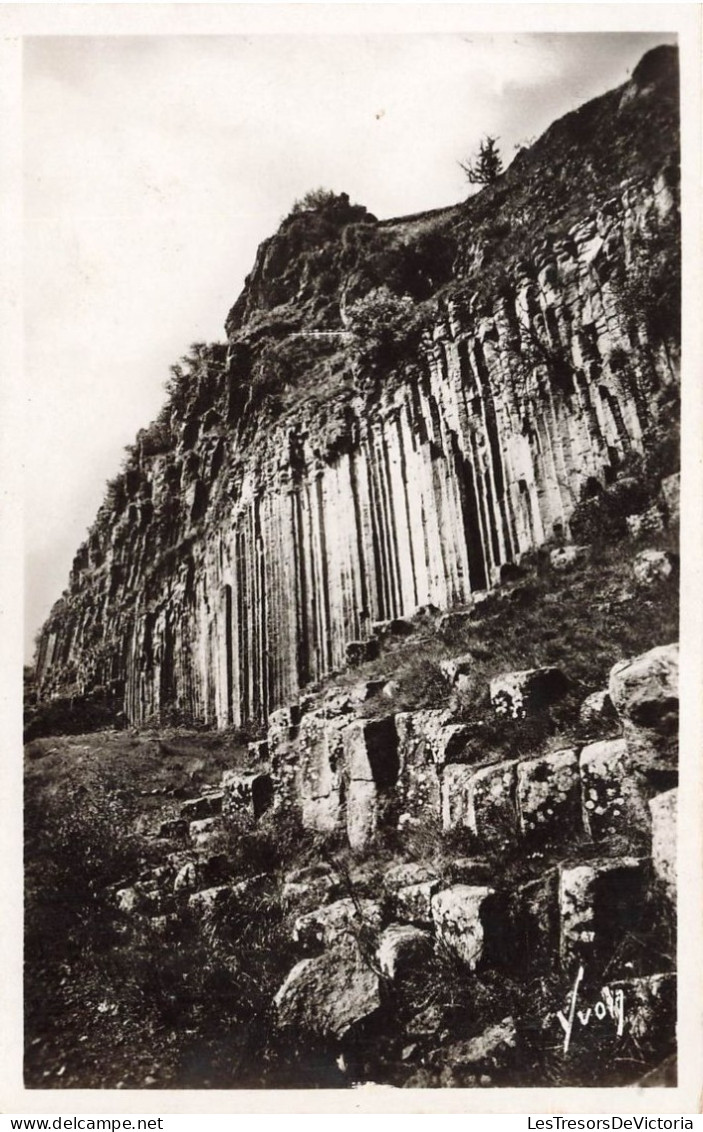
(305, 482)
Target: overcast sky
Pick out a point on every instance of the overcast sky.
(154, 166)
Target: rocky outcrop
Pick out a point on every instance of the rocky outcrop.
(335, 466)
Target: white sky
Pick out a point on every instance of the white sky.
(153, 168)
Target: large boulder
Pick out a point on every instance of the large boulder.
(645, 690)
(328, 995)
(645, 694)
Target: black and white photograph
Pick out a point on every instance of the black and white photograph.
(351, 472)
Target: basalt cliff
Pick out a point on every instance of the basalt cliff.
(378, 624)
(402, 409)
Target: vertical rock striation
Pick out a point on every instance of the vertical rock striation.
(290, 494)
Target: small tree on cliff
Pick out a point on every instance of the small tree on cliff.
(487, 167)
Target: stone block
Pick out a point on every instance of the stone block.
(611, 793)
(371, 766)
(456, 914)
(650, 566)
(410, 872)
(371, 751)
(670, 495)
(197, 830)
(599, 902)
(210, 805)
(663, 808)
(457, 670)
(565, 558)
(319, 771)
(403, 950)
(284, 718)
(470, 870)
(328, 995)
(203, 903)
(326, 926)
(250, 794)
(130, 900)
(528, 692)
(456, 783)
(646, 523)
(413, 902)
(426, 740)
(306, 889)
(419, 795)
(548, 795)
(597, 711)
(366, 690)
(418, 733)
(482, 799)
(187, 878)
(526, 937)
(487, 1052)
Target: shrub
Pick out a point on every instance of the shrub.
(649, 285)
(315, 200)
(69, 715)
(387, 329)
(487, 166)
